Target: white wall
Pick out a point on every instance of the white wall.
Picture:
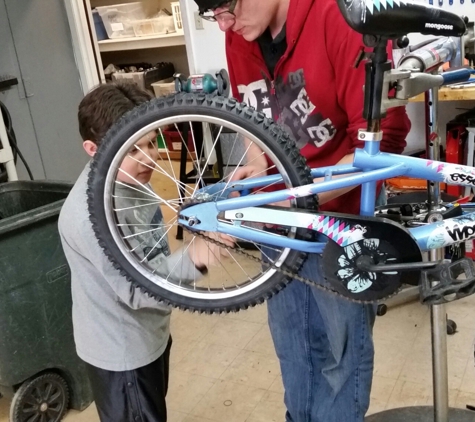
(205, 47)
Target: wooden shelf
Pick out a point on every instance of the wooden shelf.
(138, 43)
(449, 94)
(175, 155)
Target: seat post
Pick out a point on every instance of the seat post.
(372, 113)
(375, 69)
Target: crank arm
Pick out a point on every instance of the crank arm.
(366, 264)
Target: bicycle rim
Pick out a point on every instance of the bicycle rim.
(141, 215)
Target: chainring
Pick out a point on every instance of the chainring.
(382, 242)
(348, 280)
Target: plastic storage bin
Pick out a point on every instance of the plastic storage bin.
(101, 32)
(145, 78)
(119, 19)
(164, 88)
(36, 342)
(155, 26)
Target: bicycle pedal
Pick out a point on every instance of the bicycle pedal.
(448, 282)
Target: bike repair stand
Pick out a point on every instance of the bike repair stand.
(440, 411)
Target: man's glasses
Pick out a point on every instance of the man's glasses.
(224, 16)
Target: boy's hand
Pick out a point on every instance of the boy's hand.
(203, 253)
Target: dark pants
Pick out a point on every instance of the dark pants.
(132, 396)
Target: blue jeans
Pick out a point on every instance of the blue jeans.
(325, 347)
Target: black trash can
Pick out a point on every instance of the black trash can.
(39, 366)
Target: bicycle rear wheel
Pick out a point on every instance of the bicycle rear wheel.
(136, 220)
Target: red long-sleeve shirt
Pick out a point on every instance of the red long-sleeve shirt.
(316, 92)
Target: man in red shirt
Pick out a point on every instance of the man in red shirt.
(293, 60)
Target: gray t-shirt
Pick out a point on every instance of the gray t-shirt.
(116, 327)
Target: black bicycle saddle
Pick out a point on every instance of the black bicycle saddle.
(395, 18)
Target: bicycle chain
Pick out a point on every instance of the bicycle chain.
(290, 274)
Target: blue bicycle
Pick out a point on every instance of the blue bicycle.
(365, 258)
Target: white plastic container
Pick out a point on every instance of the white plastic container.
(163, 88)
(119, 19)
(136, 77)
(155, 26)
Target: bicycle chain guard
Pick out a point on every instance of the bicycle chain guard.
(443, 284)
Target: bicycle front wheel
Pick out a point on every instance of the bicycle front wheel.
(134, 213)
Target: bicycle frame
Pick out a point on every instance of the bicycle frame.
(370, 164)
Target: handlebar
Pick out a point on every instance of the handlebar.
(457, 76)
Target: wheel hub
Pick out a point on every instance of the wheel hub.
(44, 407)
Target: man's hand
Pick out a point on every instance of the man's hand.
(203, 253)
(247, 172)
(256, 164)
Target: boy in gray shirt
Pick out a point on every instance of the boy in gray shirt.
(121, 333)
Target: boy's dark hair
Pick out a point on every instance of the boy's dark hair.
(106, 104)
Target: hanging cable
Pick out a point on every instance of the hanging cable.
(13, 143)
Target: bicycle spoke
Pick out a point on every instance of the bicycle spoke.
(142, 224)
(148, 189)
(137, 206)
(160, 171)
(199, 179)
(185, 144)
(178, 261)
(239, 265)
(141, 233)
(231, 154)
(238, 165)
(220, 264)
(130, 197)
(212, 150)
(153, 194)
(145, 241)
(156, 244)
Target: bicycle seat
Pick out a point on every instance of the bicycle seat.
(395, 18)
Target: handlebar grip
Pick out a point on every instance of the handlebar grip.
(455, 76)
